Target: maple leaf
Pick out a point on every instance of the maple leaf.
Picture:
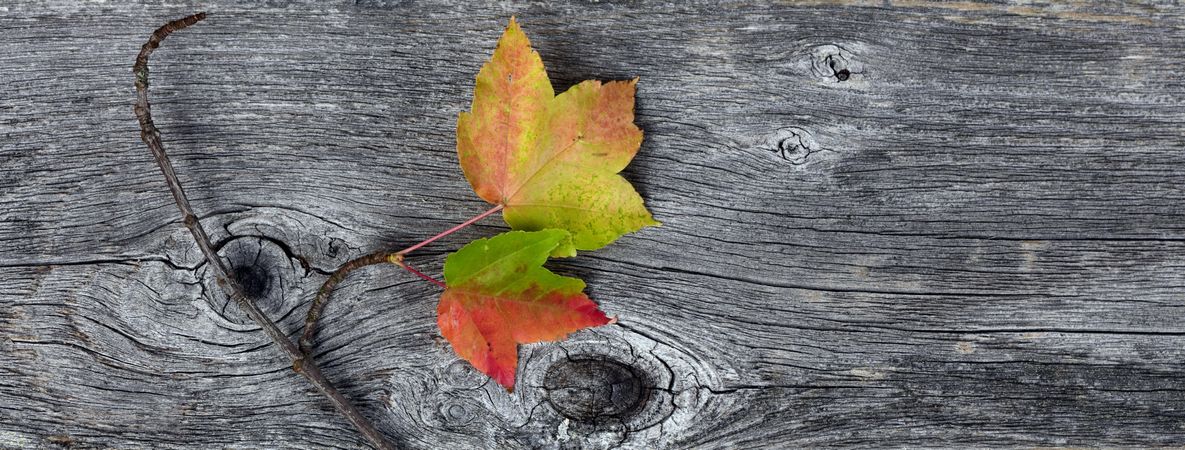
(551, 161)
(499, 295)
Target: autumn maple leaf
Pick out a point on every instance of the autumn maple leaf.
(551, 164)
(499, 295)
(551, 161)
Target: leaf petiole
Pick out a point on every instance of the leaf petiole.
(452, 230)
(318, 305)
(397, 257)
(397, 260)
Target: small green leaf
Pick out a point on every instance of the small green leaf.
(499, 295)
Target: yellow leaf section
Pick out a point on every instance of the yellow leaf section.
(552, 161)
(511, 96)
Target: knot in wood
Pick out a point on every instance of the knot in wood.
(834, 63)
(263, 268)
(792, 144)
(253, 278)
(458, 412)
(592, 389)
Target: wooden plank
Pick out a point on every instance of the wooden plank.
(972, 237)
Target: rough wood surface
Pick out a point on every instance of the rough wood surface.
(886, 224)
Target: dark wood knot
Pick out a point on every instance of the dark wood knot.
(593, 389)
(254, 279)
(263, 268)
(834, 63)
(794, 145)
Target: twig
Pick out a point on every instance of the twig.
(151, 137)
(310, 321)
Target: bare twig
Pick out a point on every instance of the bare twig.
(310, 321)
(151, 137)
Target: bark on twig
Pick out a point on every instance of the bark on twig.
(310, 321)
(151, 137)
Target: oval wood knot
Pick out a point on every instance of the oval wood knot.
(265, 270)
(794, 145)
(254, 279)
(834, 63)
(591, 389)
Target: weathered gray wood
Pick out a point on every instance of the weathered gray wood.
(975, 238)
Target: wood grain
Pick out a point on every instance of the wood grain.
(888, 224)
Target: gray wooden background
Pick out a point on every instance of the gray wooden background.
(885, 224)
